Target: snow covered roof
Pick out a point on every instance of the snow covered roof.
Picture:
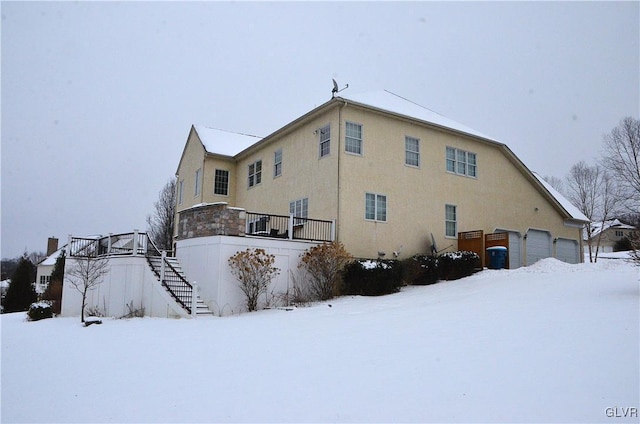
(390, 102)
(51, 259)
(598, 227)
(564, 202)
(223, 142)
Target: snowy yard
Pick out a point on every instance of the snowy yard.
(549, 343)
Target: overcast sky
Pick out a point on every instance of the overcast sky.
(98, 98)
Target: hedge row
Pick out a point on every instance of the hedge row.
(379, 277)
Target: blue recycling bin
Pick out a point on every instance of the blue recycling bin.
(497, 257)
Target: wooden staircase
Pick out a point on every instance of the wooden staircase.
(176, 284)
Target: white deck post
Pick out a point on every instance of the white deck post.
(164, 257)
(109, 244)
(69, 250)
(333, 230)
(290, 226)
(194, 299)
(135, 242)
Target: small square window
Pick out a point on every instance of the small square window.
(375, 207)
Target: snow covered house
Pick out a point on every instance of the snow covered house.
(395, 178)
(45, 266)
(610, 232)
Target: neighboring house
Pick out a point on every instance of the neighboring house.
(612, 232)
(395, 177)
(45, 266)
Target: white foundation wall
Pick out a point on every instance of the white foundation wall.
(204, 261)
(129, 283)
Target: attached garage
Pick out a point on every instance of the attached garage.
(568, 250)
(538, 245)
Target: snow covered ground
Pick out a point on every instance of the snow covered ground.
(549, 343)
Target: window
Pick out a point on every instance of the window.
(299, 208)
(325, 141)
(375, 207)
(412, 151)
(258, 225)
(461, 162)
(353, 138)
(277, 163)
(451, 221)
(255, 173)
(221, 182)
(44, 281)
(180, 192)
(619, 233)
(198, 174)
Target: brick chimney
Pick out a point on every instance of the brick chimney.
(52, 245)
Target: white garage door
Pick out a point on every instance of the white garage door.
(568, 251)
(538, 245)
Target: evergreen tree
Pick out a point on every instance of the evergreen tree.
(54, 289)
(21, 293)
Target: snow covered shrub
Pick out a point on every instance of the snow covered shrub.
(372, 277)
(39, 310)
(254, 270)
(455, 265)
(420, 270)
(323, 265)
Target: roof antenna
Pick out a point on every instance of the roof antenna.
(335, 88)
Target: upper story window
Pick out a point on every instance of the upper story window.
(325, 140)
(198, 182)
(619, 233)
(461, 162)
(277, 163)
(221, 182)
(299, 208)
(255, 173)
(375, 207)
(353, 138)
(180, 192)
(451, 221)
(411, 151)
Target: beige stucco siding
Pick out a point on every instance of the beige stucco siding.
(304, 173)
(499, 197)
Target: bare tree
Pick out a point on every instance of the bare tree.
(592, 190)
(161, 222)
(622, 158)
(85, 275)
(556, 183)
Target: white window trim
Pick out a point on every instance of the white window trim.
(456, 162)
(276, 163)
(321, 141)
(228, 182)
(181, 191)
(361, 139)
(409, 151)
(455, 221)
(198, 184)
(375, 205)
(254, 163)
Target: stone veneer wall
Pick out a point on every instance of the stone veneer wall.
(214, 219)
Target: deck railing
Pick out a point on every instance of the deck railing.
(135, 243)
(289, 227)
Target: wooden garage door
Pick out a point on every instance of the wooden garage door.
(568, 251)
(538, 245)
